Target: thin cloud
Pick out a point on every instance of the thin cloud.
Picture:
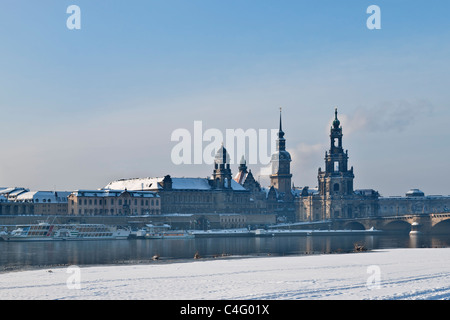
(389, 117)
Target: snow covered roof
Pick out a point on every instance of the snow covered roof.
(415, 193)
(190, 184)
(6, 190)
(17, 192)
(236, 186)
(12, 190)
(114, 193)
(154, 184)
(43, 196)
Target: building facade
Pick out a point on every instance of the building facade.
(49, 203)
(414, 202)
(113, 203)
(219, 193)
(22, 201)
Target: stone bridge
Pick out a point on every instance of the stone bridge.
(435, 223)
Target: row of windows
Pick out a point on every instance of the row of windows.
(59, 200)
(120, 202)
(415, 208)
(228, 220)
(185, 198)
(206, 199)
(113, 211)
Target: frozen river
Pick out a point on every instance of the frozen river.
(22, 255)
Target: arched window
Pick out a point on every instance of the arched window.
(336, 187)
(336, 166)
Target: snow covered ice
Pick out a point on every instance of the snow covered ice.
(378, 274)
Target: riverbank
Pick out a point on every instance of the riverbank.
(378, 274)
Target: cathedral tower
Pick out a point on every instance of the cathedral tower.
(281, 175)
(336, 180)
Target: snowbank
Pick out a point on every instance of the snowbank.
(380, 274)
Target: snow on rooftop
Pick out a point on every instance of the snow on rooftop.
(9, 190)
(114, 193)
(43, 196)
(17, 192)
(236, 186)
(190, 183)
(154, 184)
(135, 184)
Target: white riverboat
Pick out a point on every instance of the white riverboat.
(31, 232)
(174, 234)
(152, 231)
(55, 232)
(156, 231)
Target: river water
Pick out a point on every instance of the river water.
(25, 255)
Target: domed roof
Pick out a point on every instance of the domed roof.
(222, 156)
(336, 122)
(415, 193)
(281, 155)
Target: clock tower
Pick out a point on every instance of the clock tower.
(337, 179)
(280, 177)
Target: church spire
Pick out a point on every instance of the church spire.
(281, 175)
(281, 141)
(280, 130)
(336, 122)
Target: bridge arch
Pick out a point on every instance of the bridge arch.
(397, 226)
(353, 225)
(442, 227)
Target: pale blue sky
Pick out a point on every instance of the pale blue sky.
(83, 107)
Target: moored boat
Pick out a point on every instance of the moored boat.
(152, 231)
(174, 234)
(32, 232)
(177, 235)
(91, 232)
(163, 231)
(241, 232)
(54, 232)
